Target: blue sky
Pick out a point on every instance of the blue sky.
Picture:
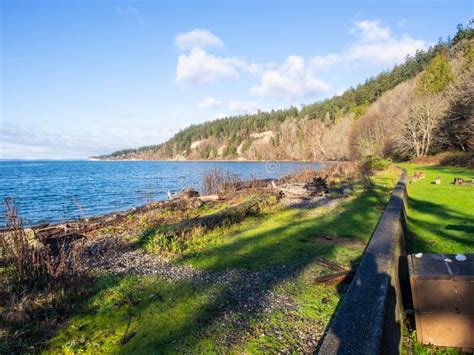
(80, 78)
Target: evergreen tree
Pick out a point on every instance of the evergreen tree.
(437, 76)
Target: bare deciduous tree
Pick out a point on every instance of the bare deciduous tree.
(315, 130)
(374, 133)
(369, 136)
(419, 132)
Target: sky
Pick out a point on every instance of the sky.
(82, 78)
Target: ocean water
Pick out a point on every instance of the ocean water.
(52, 191)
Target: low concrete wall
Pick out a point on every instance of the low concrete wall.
(368, 320)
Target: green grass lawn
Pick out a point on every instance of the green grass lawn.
(440, 217)
(195, 317)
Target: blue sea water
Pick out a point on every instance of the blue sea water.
(52, 191)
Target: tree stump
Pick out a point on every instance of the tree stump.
(418, 175)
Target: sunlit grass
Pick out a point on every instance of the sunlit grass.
(441, 217)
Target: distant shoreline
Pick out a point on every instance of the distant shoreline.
(169, 160)
(224, 161)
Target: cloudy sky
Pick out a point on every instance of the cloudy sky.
(88, 77)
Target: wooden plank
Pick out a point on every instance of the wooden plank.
(337, 277)
(331, 264)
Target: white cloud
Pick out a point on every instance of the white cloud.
(245, 107)
(291, 80)
(197, 38)
(377, 45)
(386, 52)
(371, 31)
(200, 67)
(208, 102)
(297, 77)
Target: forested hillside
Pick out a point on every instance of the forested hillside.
(418, 108)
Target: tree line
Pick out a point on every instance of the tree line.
(235, 130)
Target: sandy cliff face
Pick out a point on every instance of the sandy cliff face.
(293, 140)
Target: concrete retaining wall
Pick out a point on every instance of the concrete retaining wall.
(368, 320)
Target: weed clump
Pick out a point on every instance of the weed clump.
(38, 283)
(216, 181)
(31, 263)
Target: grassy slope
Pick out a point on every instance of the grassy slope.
(441, 217)
(188, 317)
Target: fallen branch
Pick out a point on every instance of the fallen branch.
(249, 184)
(331, 264)
(337, 277)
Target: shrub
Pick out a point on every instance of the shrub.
(160, 242)
(375, 163)
(218, 181)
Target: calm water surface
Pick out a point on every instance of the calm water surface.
(51, 191)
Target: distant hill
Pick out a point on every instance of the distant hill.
(373, 118)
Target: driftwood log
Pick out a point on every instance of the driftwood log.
(187, 194)
(257, 183)
(57, 238)
(228, 216)
(316, 187)
(296, 190)
(209, 198)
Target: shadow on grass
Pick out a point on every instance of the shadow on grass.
(188, 313)
(436, 219)
(460, 227)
